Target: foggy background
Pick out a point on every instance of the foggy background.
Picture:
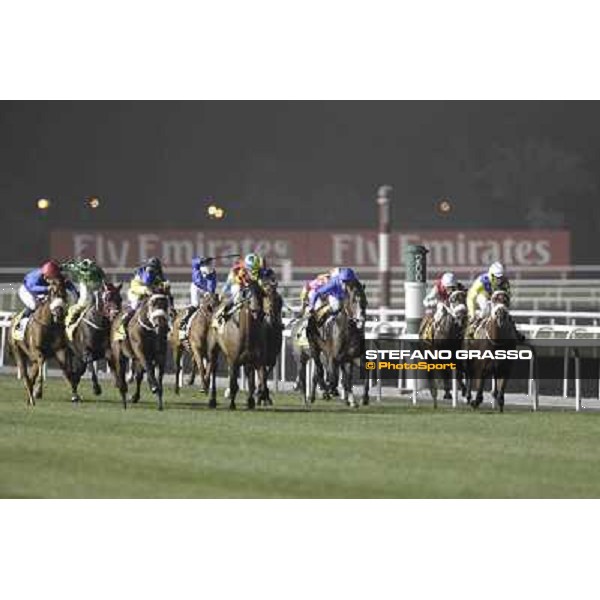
(297, 164)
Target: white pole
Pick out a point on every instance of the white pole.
(454, 388)
(283, 359)
(566, 374)
(577, 382)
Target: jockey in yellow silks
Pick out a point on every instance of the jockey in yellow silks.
(481, 290)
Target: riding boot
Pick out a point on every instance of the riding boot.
(127, 315)
(25, 314)
(189, 311)
(73, 314)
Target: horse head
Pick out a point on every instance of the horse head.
(57, 301)
(252, 297)
(111, 300)
(499, 310)
(272, 303)
(157, 309)
(355, 303)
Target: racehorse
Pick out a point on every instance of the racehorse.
(447, 333)
(91, 334)
(272, 335)
(44, 338)
(195, 342)
(304, 351)
(341, 341)
(240, 338)
(496, 332)
(145, 344)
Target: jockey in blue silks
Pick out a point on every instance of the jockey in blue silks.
(204, 281)
(334, 290)
(36, 285)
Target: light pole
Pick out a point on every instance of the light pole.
(384, 196)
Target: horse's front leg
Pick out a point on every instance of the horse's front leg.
(251, 378)
(138, 375)
(22, 365)
(233, 385)
(95, 383)
(346, 369)
(160, 367)
(64, 358)
(213, 358)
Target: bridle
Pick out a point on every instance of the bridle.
(153, 314)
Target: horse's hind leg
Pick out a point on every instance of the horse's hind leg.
(119, 366)
(192, 376)
(177, 352)
(251, 378)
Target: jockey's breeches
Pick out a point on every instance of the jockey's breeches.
(27, 298)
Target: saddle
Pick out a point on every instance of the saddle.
(301, 335)
(426, 328)
(70, 329)
(19, 327)
(185, 332)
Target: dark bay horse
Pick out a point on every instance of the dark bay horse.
(272, 332)
(303, 351)
(45, 338)
(447, 332)
(196, 341)
(496, 332)
(240, 339)
(91, 335)
(341, 340)
(145, 345)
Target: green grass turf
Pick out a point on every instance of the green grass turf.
(99, 450)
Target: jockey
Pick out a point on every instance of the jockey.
(204, 281)
(334, 290)
(480, 293)
(309, 288)
(36, 285)
(90, 278)
(147, 280)
(243, 272)
(440, 291)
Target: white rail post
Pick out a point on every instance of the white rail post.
(577, 381)
(2, 345)
(454, 388)
(283, 359)
(566, 374)
(276, 375)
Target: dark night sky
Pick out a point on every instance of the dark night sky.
(297, 164)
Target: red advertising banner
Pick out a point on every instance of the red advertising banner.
(317, 248)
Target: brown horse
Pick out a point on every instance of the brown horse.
(196, 341)
(447, 333)
(496, 332)
(272, 335)
(341, 341)
(241, 340)
(145, 344)
(91, 336)
(44, 338)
